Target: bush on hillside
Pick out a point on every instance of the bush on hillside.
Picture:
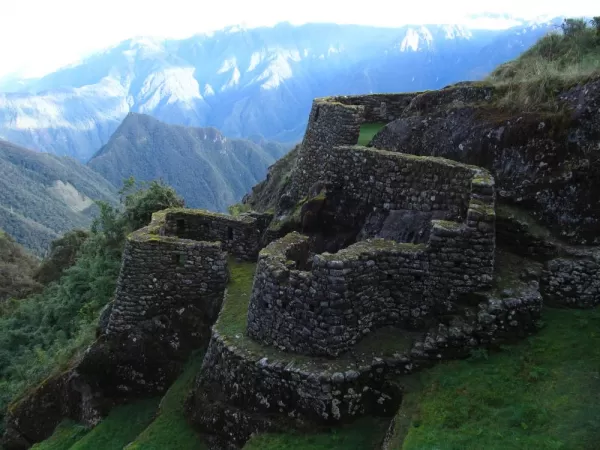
(40, 335)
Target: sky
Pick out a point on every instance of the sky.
(39, 36)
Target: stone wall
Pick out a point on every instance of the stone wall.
(243, 389)
(328, 309)
(238, 235)
(329, 125)
(161, 274)
(169, 293)
(572, 281)
(376, 179)
(377, 107)
(325, 305)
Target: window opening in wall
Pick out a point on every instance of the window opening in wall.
(317, 113)
(229, 233)
(180, 226)
(178, 259)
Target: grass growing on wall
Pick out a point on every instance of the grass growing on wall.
(364, 434)
(170, 429)
(543, 393)
(368, 132)
(233, 317)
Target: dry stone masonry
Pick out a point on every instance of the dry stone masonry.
(326, 332)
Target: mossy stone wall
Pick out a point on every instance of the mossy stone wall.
(161, 274)
(238, 235)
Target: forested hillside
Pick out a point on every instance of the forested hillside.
(17, 269)
(207, 169)
(43, 196)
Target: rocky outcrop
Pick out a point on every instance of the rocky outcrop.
(543, 161)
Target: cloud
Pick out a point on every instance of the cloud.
(38, 36)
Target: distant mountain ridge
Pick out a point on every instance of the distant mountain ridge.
(44, 195)
(206, 168)
(245, 82)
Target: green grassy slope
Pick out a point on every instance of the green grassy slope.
(557, 61)
(543, 393)
(170, 428)
(364, 434)
(64, 437)
(115, 432)
(121, 427)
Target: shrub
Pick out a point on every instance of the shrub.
(595, 22)
(573, 27)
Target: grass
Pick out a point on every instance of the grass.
(364, 434)
(556, 62)
(64, 437)
(170, 429)
(368, 132)
(234, 315)
(120, 427)
(543, 393)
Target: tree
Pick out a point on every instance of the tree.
(573, 27)
(141, 200)
(595, 22)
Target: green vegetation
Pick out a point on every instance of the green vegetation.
(238, 208)
(43, 196)
(266, 194)
(364, 434)
(233, 317)
(64, 437)
(557, 61)
(62, 255)
(170, 429)
(542, 393)
(17, 270)
(208, 170)
(42, 334)
(368, 132)
(120, 427)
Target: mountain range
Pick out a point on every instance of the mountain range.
(44, 195)
(256, 83)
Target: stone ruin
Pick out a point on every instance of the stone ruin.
(374, 265)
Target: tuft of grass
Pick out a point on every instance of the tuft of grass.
(542, 393)
(64, 437)
(120, 427)
(171, 429)
(368, 132)
(234, 314)
(364, 434)
(556, 62)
